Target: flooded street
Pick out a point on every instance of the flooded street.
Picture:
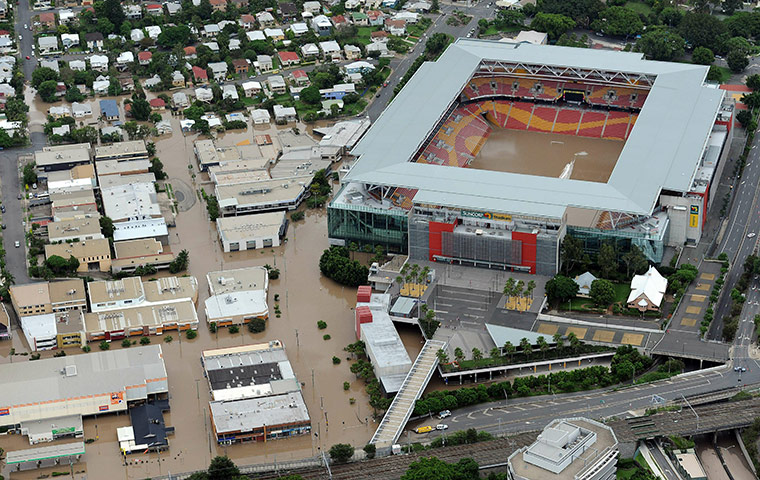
(304, 298)
(506, 151)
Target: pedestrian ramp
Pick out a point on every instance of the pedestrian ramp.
(401, 408)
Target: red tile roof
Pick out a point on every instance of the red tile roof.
(247, 18)
(299, 74)
(199, 73)
(239, 62)
(338, 19)
(144, 56)
(153, 6)
(157, 102)
(47, 17)
(288, 56)
(189, 50)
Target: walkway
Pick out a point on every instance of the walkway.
(395, 418)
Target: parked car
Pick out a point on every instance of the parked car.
(425, 429)
(18, 244)
(444, 414)
(441, 426)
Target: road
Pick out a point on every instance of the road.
(24, 16)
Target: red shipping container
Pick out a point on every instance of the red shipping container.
(363, 315)
(363, 294)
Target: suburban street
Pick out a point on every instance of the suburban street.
(24, 16)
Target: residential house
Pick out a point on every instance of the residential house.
(264, 63)
(47, 45)
(77, 65)
(234, 44)
(178, 80)
(154, 9)
(179, 99)
(136, 35)
(200, 75)
(218, 70)
(173, 8)
(352, 52)
(330, 50)
(144, 57)
(284, 114)
(99, 63)
(210, 31)
(375, 18)
(51, 64)
(312, 7)
(380, 47)
(204, 94)
(6, 92)
(339, 20)
(260, 116)
(255, 35)
(100, 85)
(533, 37)
(60, 89)
(109, 110)
(153, 31)
(277, 84)
(299, 78)
(275, 34)
(408, 17)
(65, 16)
(218, 5)
(81, 110)
(230, 91)
(358, 67)
(360, 19)
(124, 59)
(338, 91)
(352, 4)
(224, 23)
(395, 27)
(321, 25)
(420, 6)
(47, 21)
(647, 291)
(251, 89)
(240, 65)
(213, 46)
(247, 21)
(132, 12)
(309, 51)
(57, 112)
(152, 82)
(288, 59)
(69, 40)
(190, 53)
(299, 29)
(378, 36)
(127, 83)
(6, 45)
(265, 19)
(157, 104)
(6, 72)
(288, 11)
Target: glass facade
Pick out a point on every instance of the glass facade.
(651, 246)
(365, 225)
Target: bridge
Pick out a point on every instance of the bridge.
(401, 408)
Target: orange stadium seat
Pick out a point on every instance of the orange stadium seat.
(547, 90)
(543, 119)
(567, 121)
(592, 124)
(616, 126)
(519, 116)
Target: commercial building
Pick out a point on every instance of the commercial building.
(250, 232)
(131, 254)
(384, 347)
(122, 151)
(73, 204)
(135, 212)
(93, 254)
(81, 177)
(209, 155)
(255, 394)
(86, 227)
(262, 196)
(668, 128)
(570, 448)
(131, 307)
(61, 157)
(237, 296)
(5, 323)
(92, 384)
(49, 429)
(41, 457)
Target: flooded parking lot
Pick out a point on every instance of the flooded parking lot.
(304, 298)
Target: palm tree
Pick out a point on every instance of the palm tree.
(458, 355)
(442, 357)
(526, 347)
(559, 341)
(509, 286)
(543, 345)
(477, 355)
(519, 288)
(424, 274)
(575, 344)
(399, 279)
(530, 288)
(495, 353)
(509, 349)
(404, 269)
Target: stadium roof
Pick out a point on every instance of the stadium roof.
(662, 152)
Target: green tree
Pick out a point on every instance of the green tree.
(30, 174)
(659, 43)
(558, 340)
(57, 264)
(561, 289)
(526, 347)
(582, 12)
(47, 90)
(635, 261)
(737, 61)
(171, 37)
(703, 56)
(257, 325)
(702, 30)
(458, 355)
(671, 16)
(311, 95)
(442, 356)
(341, 452)
(370, 449)
(752, 81)
(336, 265)
(110, 9)
(180, 262)
(744, 117)
(106, 226)
(572, 254)
(222, 468)
(477, 355)
(509, 287)
(436, 44)
(740, 44)
(602, 292)
(607, 260)
(553, 24)
(495, 353)
(157, 168)
(43, 74)
(509, 349)
(619, 21)
(543, 345)
(140, 108)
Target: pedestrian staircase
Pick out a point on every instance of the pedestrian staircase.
(401, 408)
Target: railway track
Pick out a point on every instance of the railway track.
(393, 467)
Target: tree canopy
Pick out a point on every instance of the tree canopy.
(335, 263)
(659, 43)
(561, 288)
(553, 24)
(619, 21)
(602, 292)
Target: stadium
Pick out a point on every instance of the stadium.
(492, 154)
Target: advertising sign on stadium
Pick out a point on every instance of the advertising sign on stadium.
(5, 411)
(486, 215)
(694, 221)
(61, 431)
(103, 408)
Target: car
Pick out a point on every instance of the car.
(469, 35)
(2, 208)
(19, 196)
(18, 244)
(20, 37)
(26, 27)
(751, 235)
(27, 57)
(34, 186)
(385, 84)
(2, 226)
(424, 429)
(443, 414)
(441, 426)
(744, 369)
(599, 34)
(377, 96)
(737, 369)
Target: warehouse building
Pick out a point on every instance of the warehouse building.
(86, 227)
(237, 296)
(251, 232)
(131, 254)
(61, 157)
(122, 151)
(262, 196)
(93, 255)
(92, 384)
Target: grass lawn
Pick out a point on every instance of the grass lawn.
(626, 474)
(417, 29)
(639, 7)
(725, 74)
(364, 34)
(492, 30)
(622, 291)
(248, 101)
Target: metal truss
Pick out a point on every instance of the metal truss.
(609, 77)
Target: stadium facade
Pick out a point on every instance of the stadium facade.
(415, 186)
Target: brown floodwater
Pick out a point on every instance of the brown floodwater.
(510, 151)
(305, 297)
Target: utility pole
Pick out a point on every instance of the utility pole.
(692, 409)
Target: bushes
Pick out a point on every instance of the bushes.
(257, 325)
(191, 334)
(104, 345)
(336, 360)
(341, 452)
(335, 263)
(321, 324)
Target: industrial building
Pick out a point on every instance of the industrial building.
(237, 296)
(83, 385)
(567, 449)
(61, 157)
(384, 347)
(251, 232)
(131, 254)
(93, 254)
(424, 182)
(122, 151)
(131, 307)
(262, 196)
(255, 394)
(86, 227)
(135, 212)
(73, 204)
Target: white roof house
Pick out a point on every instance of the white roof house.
(125, 58)
(204, 94)
(329, 47)
(219, 69)
(153, 31)
(260, 116)
(47, 44)
(99, 62)
(69, 40)
(230, 91)
(532, 36)
(251, 88)
(180, 99)
(584, 282)
(299, 29)
(66, 15)
(647, 290)
(255, 35)
(136, 34)
(310, 50)
(81, 109)
(274, 33)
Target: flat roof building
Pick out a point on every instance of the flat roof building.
(80, 177)
(62, 157)
(262, 196)
(50, 429)
(122, 167)
(260, 419)
(42, 457)
(237, 296)
(83, 228)
(48, 297)
(122, 151)
(93, 254)
(250, 232)
(131, 254)
(72, 204)
(131, 202)
(119, 180)
(569, 448)
(92, 384)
